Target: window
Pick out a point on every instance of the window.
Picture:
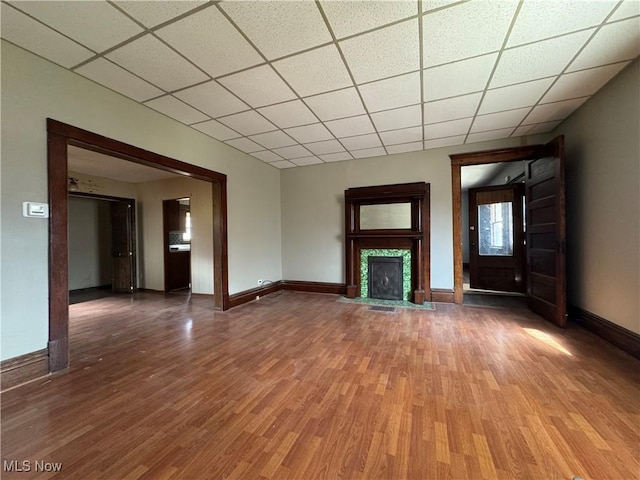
(495, 229)
(186, 236)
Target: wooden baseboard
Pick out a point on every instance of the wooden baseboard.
(249, 295)
(24, 368)
(315, 287)
(442, 295)
(615, 334)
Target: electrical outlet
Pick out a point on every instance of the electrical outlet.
(260, 282)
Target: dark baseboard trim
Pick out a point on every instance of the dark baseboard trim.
(91, 289)
(249, 295)
(615, 334)
(24, 368)
(315, 287)
(442, 295)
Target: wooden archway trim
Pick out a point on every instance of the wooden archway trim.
(59, 136)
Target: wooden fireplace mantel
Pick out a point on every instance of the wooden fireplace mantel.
(416, 238)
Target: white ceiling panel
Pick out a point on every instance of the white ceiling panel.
(174, 108)
(245, 145)
(316, 71)
(553, 111)
(209, 40)
(534, 129)
(369, 152)
(279, 28)
(444, 142)
(296, 151)
(216, 130)
(458, 78)
(433, 4)
(538, 60)
(398, 118)
(338, 104)
(154, 12)
(447, 129)
(491, 135)
(97, 25)
(336, 157)
(258, 86)
(349, 18)
(556, 18)
(405, 135)
(465, 30)
(582, 83)
(392, 93)
(628, 8)
(349, 127)
(361, 141)
(613, 43)
(383, 53)
(328, 146)
(27, 33)
(451, 108)
(304, 161)
(283, 164)
(515, 96)
(116, 78)
(495, 121)
(266, 156)
(275, 139)
(152, 60)
(405, 147)
(248, 123)
(310, 133)
(289, 114)
(212, 99)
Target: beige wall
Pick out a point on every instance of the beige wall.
(603, 201)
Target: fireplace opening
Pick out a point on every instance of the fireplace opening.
(385, 278)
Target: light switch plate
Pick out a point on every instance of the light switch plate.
(34, 209)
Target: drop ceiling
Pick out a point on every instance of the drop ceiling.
(297, 83)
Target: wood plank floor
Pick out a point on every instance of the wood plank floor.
(302, 386)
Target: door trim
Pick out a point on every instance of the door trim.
(59, 136)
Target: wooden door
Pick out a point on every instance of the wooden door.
(496, 238)
(123, 246)
(546, 236)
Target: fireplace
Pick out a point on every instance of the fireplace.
(385, 278)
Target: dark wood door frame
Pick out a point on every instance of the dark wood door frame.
(59, 136)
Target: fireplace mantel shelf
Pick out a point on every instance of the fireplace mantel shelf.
(394, 234)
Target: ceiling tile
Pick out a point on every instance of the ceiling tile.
(313, 72)
(383, 53)
(444, 142)
(339, 104)
(289, 114)
(310, 133)
(553, 111)
(349, 127)
(282, 164)
(538, 60)
(248, 123)
(216, 130)
(405, 147)
(492, 135)
(582, 83)
(447, 129)
(210, 41)
(465, 30)
(614, 42)
(458, 78)
(245, 145)
(174, 108)
(301, 162)
(279, 28)
(212, 99)
(538, 21)
(433, 4)
(515, 96)
(336, 157)
(495, 121)
(153, 12)
(275, 139)
(451, 108)
(149, 58)
(329, 146)
(398, 118)
(258, 86)
(361, 141)
(116, 78)
(369, 152)
(392, 93)
(349, 18)
(535, 129)
(297, 151)
(35, 37)
(406, 135)
(266, 156)
(628, 8)
(97, 25)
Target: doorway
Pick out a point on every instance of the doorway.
(176, 228)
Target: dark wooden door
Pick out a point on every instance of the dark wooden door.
(546, 236)
(123, 246)
(496, 238)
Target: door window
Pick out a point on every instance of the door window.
(495, 229)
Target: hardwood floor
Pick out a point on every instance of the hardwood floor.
(301, 386)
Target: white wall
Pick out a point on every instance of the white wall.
(603, 201)
(34, 89)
